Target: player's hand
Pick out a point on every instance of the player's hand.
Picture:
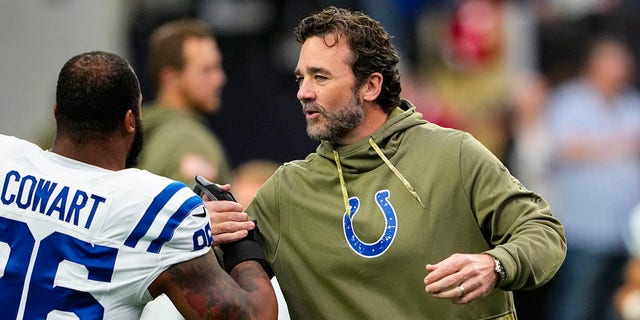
(228, 222)
(461, 278)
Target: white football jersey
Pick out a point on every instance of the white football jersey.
(82, 242)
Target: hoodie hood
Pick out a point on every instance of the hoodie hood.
(375, 150)
(361, 156)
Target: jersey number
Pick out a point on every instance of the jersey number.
(18, 248)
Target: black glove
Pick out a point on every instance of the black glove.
(212, 191)
(247, 248)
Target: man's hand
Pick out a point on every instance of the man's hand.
(228, 222)
(461, 278)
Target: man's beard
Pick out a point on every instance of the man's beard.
(200, 106)
(336, 124)
(136, 146)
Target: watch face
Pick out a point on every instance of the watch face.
(500, 270)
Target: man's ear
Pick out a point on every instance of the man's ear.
(130, 122)
(55, 111)
(372, 87)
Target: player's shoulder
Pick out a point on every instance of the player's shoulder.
(430, 136)
(299, 165)
(11, 145)
(170, 213)
(8, 139)
(144, 182)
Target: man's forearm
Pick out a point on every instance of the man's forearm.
(251, 277)
(200, 289)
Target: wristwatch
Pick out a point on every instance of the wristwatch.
(499, 269)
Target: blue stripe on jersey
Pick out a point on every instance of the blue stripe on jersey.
(152, 211)
(172, 224)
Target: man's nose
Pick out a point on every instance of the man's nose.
(305, 91)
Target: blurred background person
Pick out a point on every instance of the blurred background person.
(594, 122)
(186, 65)
(467, 63)
(530, 150)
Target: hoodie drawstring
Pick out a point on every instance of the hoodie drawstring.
(405, 182)
(343, 186)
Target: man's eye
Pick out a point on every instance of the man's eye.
(299, 79)
(321, 78)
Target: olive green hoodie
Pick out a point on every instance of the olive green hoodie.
(350, 229)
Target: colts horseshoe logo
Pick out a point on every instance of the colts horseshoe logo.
(371, 250)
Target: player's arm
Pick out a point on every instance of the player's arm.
(200, 289)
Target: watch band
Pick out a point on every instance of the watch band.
(499, 269)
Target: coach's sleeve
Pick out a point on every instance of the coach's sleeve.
(518, 224)
(265, 210)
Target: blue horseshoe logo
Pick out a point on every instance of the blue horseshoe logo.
(371, 250)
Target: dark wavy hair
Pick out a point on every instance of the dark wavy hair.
(94, 91)
(369, 42)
